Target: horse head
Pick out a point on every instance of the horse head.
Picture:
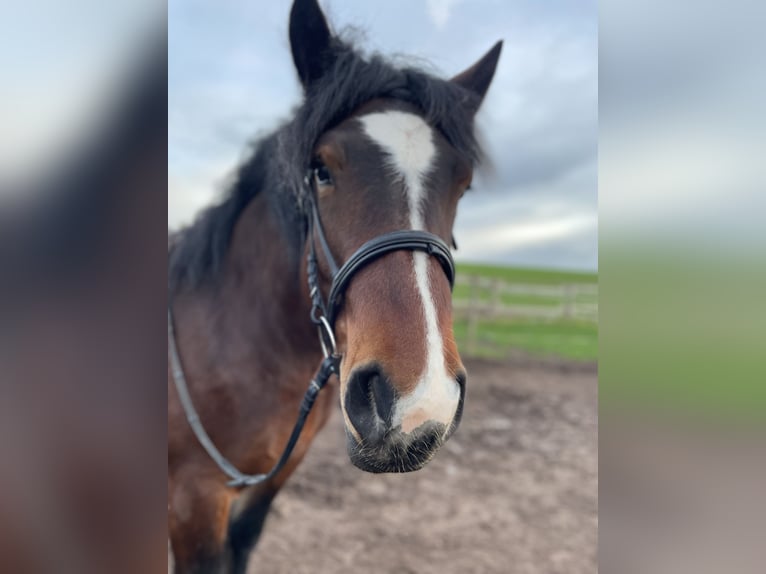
(400, 160)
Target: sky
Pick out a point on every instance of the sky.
(62, 74)
(231, 79)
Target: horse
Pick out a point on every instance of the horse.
(370, 168)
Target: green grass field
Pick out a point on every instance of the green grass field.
(522, 275)
(569, 338)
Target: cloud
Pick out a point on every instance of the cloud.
(528, 233)
(540, 224)
(440, 10)
(539, 121)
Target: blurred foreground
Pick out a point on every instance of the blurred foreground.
(82, 294)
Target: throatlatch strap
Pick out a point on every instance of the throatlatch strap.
(328, 367)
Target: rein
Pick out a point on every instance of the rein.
(323, 315)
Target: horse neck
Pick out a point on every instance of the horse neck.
(259, 313)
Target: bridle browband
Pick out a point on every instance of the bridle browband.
(324, 313)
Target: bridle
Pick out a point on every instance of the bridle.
(323, 314)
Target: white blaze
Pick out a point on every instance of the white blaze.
(407, 142)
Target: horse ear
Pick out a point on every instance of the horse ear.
(309, 39)
(478, 77)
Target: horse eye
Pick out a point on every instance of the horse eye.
(322, 175)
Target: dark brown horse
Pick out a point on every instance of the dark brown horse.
(387, 149)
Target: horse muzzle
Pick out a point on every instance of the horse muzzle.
(377, 439)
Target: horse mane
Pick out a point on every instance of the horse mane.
(278, 162)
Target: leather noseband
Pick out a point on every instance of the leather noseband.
(324, 313)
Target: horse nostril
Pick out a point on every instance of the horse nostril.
(369, 403)
(382, 394)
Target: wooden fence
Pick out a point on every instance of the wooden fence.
(490, 299)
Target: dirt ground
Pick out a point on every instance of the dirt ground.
(514, 491)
